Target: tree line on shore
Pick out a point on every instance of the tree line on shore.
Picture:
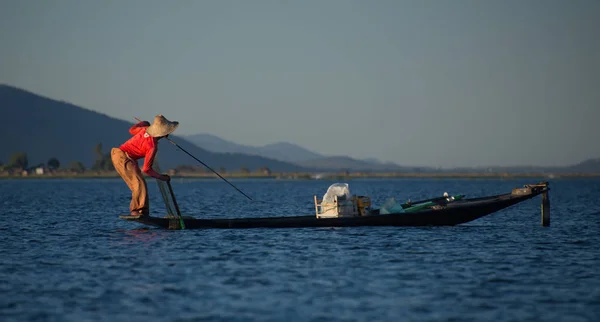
(18, 164)
(19, 161)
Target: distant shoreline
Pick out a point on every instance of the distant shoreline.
(311, 176)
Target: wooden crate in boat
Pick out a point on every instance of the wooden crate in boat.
(356, 206)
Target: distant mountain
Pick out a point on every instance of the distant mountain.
(372, 160)
(214, 143)
(45, 128)
(288, 152)
(295, 154)
(588, 166)
(307, 159)
(282, 151)
(344, 163)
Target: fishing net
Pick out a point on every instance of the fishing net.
(164, 191)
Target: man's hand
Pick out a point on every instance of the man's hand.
(165, 177)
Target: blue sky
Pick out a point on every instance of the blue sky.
(431, 83)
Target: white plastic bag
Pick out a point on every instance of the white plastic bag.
(341, 190)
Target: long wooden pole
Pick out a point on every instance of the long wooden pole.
(545, 209)
(176, 206)
(204, 164)
(211, 169)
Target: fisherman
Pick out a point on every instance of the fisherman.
(143, 144)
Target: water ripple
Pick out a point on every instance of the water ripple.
(70, 259)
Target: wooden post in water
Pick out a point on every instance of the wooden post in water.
(545, 209)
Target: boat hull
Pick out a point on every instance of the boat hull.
(451, 214)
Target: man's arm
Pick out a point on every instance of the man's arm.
(148, 162)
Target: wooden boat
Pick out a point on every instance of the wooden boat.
(440, 213)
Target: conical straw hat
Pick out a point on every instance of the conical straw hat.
(161, 126)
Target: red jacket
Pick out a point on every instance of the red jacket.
(142, 145)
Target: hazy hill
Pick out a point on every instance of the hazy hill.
(308, 159)
(45, 128)
(293, 153)
(216, 144)
(282, 151)
(344, 163)
(587, 166)
(289, 152)
(591, 165)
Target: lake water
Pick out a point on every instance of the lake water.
(65, 256)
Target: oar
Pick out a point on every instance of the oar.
(176, 206)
